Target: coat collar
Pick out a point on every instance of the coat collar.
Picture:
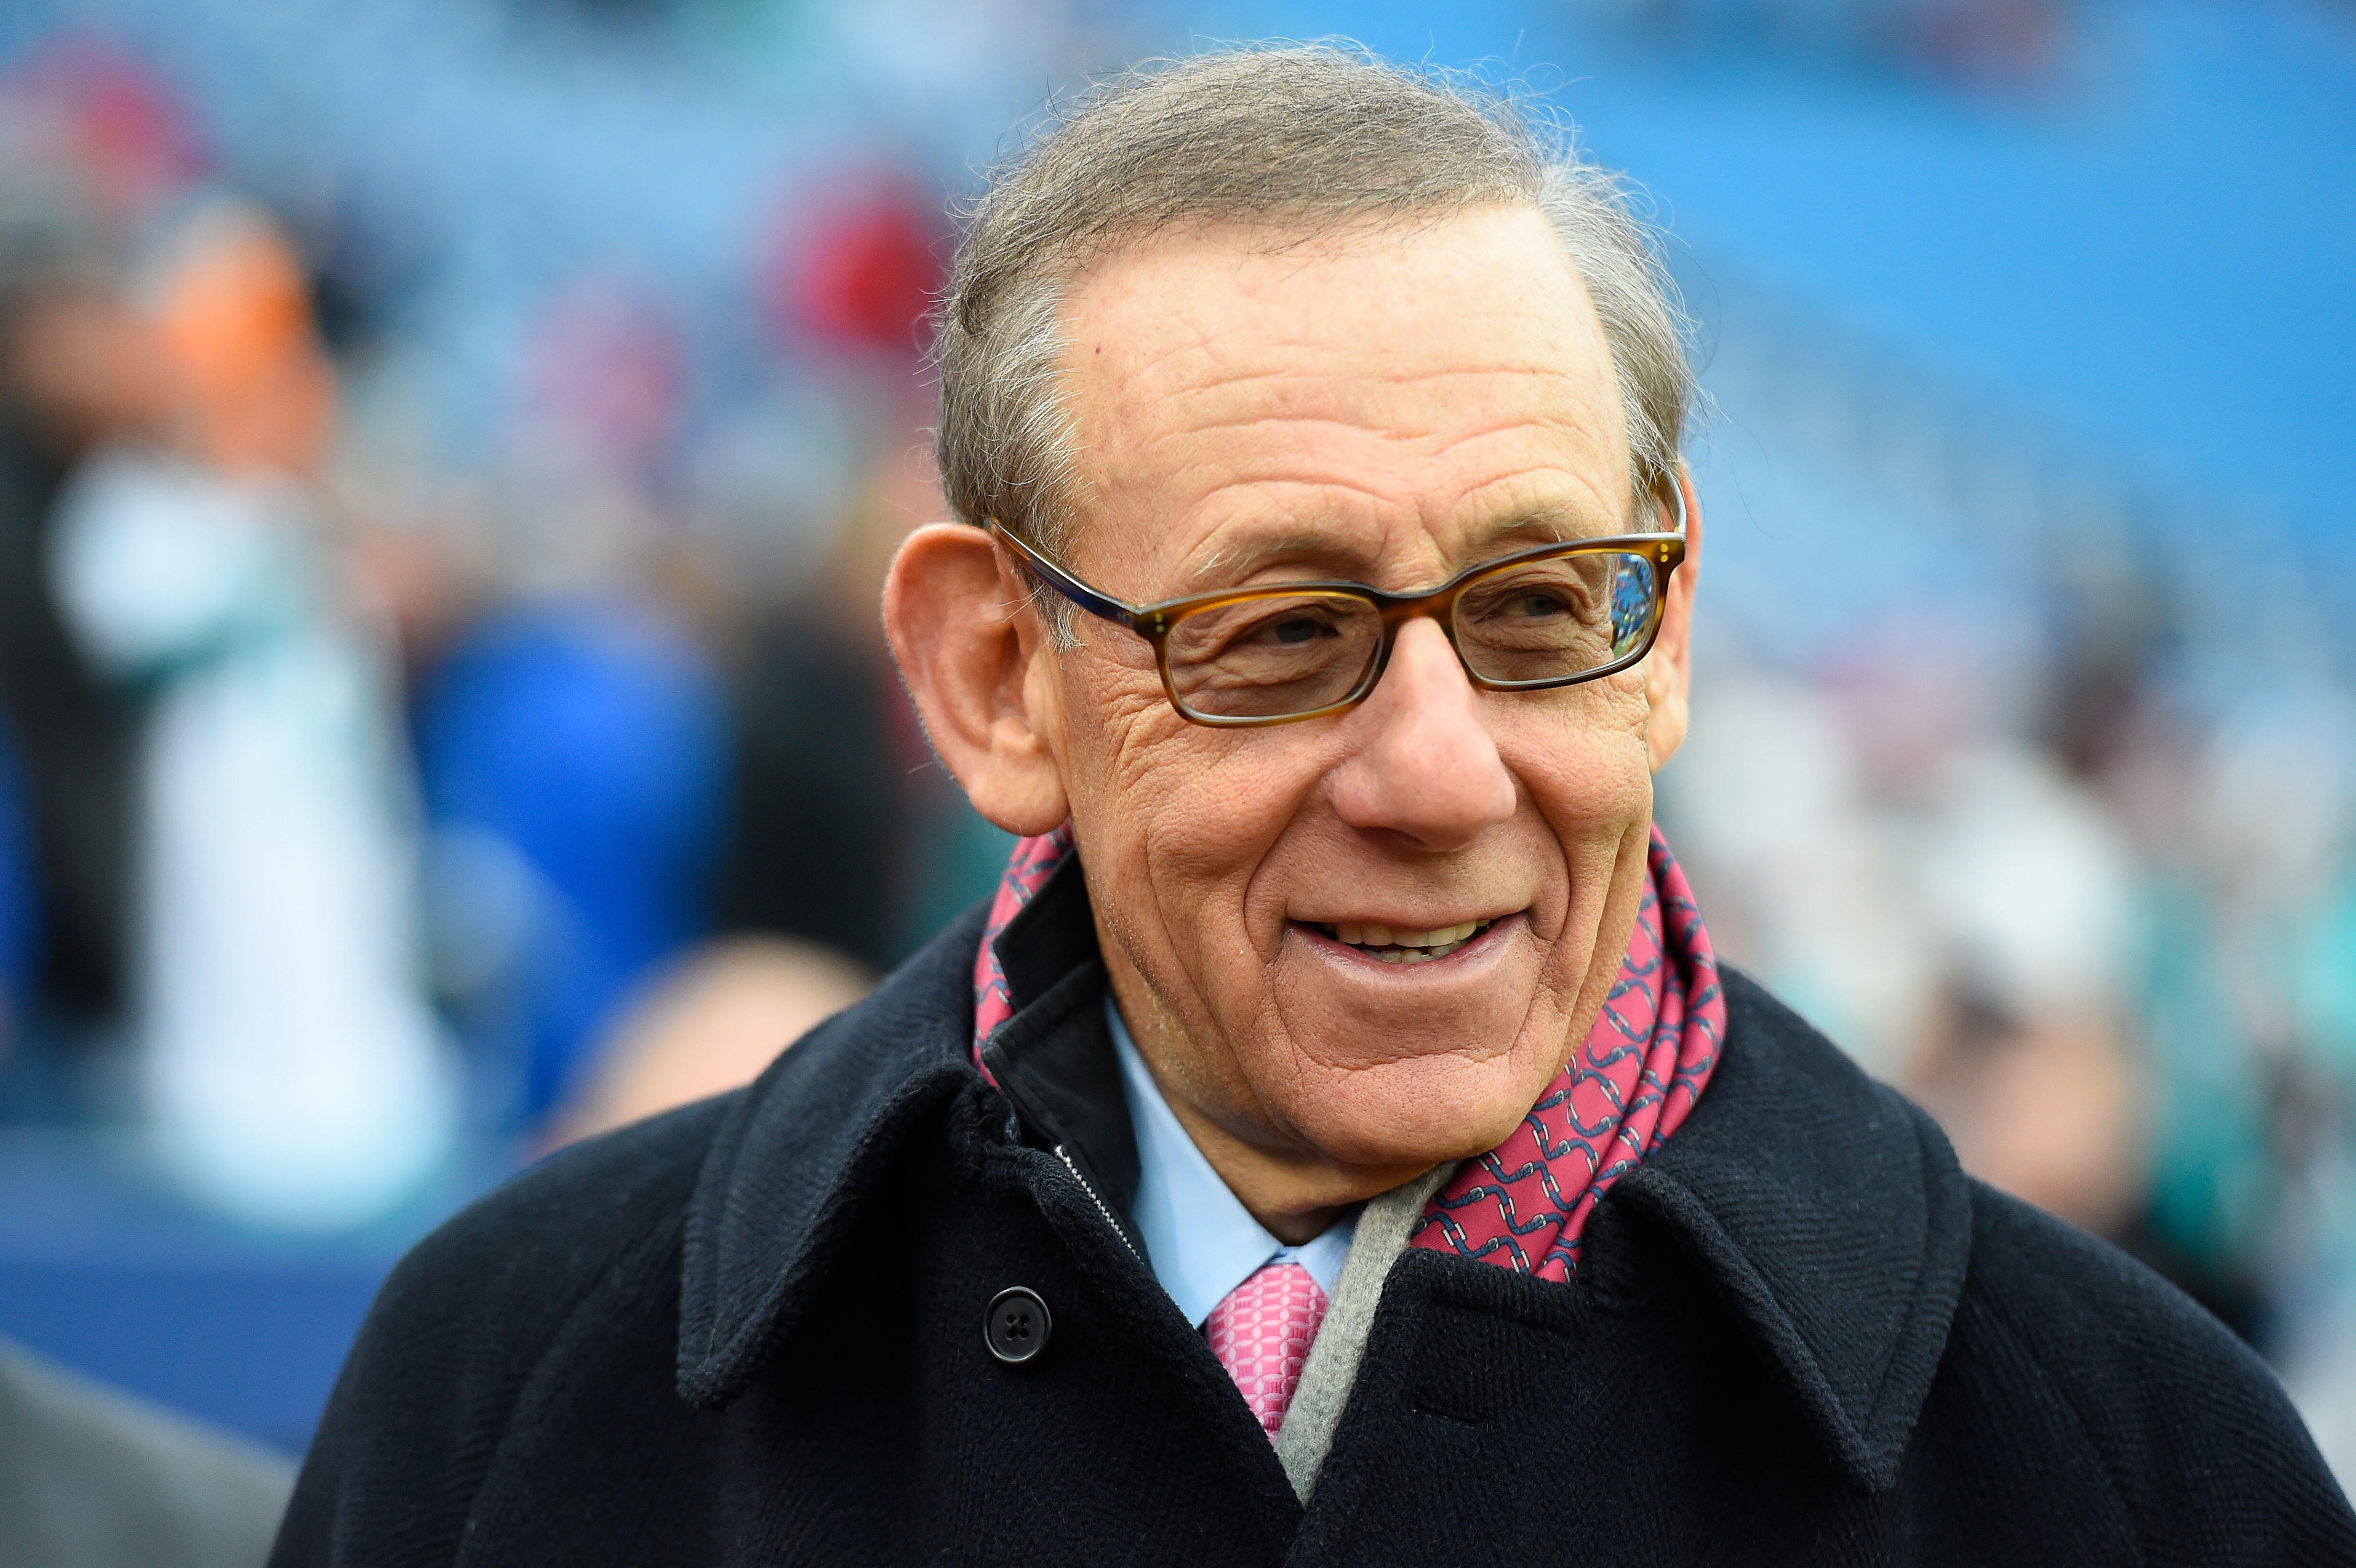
(797, 1157)
(1829, 1210)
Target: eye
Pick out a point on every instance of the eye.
(1297, 629)
(1534, 605)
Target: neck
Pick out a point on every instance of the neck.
(1295, 1191)
(1295, 1195)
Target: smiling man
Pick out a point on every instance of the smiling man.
(1335, 1143)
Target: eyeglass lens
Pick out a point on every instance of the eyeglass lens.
(1268, 657)
(1278, 655)
(1556, 618)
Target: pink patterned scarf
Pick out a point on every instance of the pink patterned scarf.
(1631, 1084)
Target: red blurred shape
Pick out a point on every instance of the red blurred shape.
(605, 367)
(126, 131)
(1983, 43)
(860, 274)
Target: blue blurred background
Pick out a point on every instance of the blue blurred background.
(450, 448)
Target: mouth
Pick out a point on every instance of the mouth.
(1391, 944)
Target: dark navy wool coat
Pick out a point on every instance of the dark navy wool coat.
(753, 1333)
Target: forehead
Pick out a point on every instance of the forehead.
(1383, 401)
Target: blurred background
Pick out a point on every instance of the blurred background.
(449, 450)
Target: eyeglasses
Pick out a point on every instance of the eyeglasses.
(1553, 615)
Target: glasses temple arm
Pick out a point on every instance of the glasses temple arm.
(1676, 489)
(1063, 582)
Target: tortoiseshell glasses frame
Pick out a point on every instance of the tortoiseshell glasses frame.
(1264, 661)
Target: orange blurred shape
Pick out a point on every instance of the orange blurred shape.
(234, 315)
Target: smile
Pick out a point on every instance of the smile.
(1396, 946)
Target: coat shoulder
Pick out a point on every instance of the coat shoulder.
(2200, 1445)
(605, 1251)
(463, 1323)
(522, 1256)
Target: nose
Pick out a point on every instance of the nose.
(1427, 767)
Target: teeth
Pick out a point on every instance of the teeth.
(1402, 946)
(1438, 938)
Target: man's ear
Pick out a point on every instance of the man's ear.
(966, 639)
(1668, 668)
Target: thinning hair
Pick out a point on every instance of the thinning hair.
(1301, 139)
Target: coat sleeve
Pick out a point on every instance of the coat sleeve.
(458, 1332)
(2202, 1447)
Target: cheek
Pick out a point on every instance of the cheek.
(1126, 752)
(1588, 776)
(1589, 771)
(1176, 816)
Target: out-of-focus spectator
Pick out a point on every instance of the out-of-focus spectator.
(841, 814)
(18, 908)
(709, 1024)
(1771, 809)
(818, 806)
(292, 1070)
(2026, 1058)
(75, 369)
(92, 1478)
(573, 757)
(824, 732)
(572, 739)
(1961, 911)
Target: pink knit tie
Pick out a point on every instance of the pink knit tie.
(1261, 1331)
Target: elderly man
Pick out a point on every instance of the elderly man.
(1336, 1143)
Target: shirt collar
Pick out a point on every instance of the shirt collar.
(1201, 1240)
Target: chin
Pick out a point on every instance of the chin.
(1417, 1111)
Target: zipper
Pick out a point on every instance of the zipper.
(1090, 1187)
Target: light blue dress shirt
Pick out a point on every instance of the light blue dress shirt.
(1202, 1241)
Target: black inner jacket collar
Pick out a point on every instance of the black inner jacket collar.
(1829, 1210)
(1054, 1060)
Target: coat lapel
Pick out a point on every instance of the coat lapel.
(802, 1150)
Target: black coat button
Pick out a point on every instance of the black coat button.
(1018, 1325)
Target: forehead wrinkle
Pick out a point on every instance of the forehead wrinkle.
(1579, 433)
(1367, 400)
(1442, 424)
(1529, 445)
(1563, 505)
(1334, 512)
(1546, 522)
(1336, 399)
(1296, 504)
(1301, 425)
(1450, 435)
(1183, 356)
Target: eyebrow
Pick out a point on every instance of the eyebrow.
(1231, 563)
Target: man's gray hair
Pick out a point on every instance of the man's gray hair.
(1305, 138)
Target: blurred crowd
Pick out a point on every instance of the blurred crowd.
(355, 806)
(369, 796)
